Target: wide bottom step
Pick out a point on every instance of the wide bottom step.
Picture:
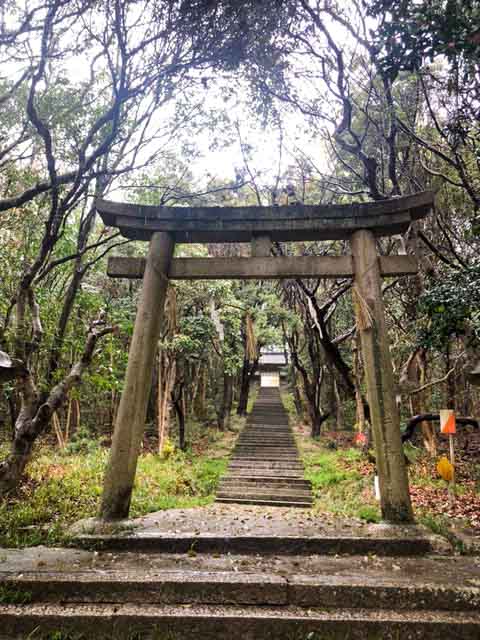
(185, 622)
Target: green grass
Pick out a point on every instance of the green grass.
(338, 488)
(289, 405)
(62, 488)
(11, 595)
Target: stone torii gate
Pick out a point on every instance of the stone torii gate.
(359, 223)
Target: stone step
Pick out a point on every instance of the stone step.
(239, 587)
(276, 489)
(266, 438)
(281, 477)
(275, 495)
(266, 544)
(186, 622)
(279, 460)
(275, 469)
(267, 444)
(282, 429)
(280, 474)
(267, 502)
(261, 427)
(253, 461)
(268, 462)
(269, 452)
(267, 435)
(274, 423)
(271, 467)
(259, 451)
(282, 424)
(267, 448)
(266, 453)
(268, 441)
(267, 422)
(274, 498)
(270, 449)
(263, 422)
(274, 480)
(247, 459)
(269, 416)
(237, 485)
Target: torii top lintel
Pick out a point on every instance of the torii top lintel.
(283, 223)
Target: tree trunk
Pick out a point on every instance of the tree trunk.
(179, 406)
(166, 380)
(200, 400)
(223, 416)
(428, 429)
(317, 418)
(339, 413)
(451, 382)
(248, 371)
(359, 405)
(35, 414)
(330, 400)
(12, 409)
(297, 398)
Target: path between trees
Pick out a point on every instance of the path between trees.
(265, 467)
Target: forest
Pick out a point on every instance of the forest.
(224, 103)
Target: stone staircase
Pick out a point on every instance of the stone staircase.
(265, 468)
(136, 596)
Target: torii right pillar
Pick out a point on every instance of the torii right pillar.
(370, 314)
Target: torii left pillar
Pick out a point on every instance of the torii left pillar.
(132, 411)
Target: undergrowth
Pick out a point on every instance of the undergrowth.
(63, 487)
(338, 487)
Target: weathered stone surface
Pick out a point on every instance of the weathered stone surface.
(284, 223)
(260, 268)
(105, 595)
(181, 622)
(253, 529)
(384, 415)
(130, 419)
(377, 591)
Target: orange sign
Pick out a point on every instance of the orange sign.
(447, 421)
